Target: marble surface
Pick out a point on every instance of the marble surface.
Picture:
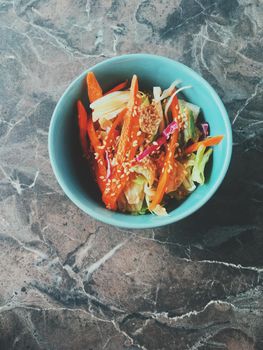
(69, 282)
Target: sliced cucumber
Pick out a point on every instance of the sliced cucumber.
(190, 106)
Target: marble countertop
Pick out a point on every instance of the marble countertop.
(69, 282)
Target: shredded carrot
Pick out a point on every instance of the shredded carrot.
(210, 141)
(94, 89)
(117, 87)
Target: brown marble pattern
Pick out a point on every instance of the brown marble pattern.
(69, 282)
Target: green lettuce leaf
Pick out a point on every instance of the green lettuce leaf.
(134, 193)
(145, 101)
(191, 111)
(191, 107)
(139, 180)
(201, 159)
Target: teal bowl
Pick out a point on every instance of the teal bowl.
(72, 172)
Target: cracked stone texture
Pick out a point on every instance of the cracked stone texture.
(69, 282)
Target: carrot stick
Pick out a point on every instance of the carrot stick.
(133, 92)
(110, 137)
(121, 177)
(125, 149)
(117, 87)
(136, 136)
(82, 121)
(140, 140)
(161, 187)
(125, 141)
(210, 141)
(159, 191)
(175, 112)
(125, 133)
(94, 89)
(169, 159)
(95, 142)
(100, 165)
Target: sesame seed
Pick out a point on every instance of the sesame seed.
(122, 176)
(101, 177)
(119, 186)
(155, 143)
(112, 194)
(139, 133)
(135, 143)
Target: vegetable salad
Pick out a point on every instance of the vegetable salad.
(145, 148)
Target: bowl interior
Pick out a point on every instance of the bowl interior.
(72, 171)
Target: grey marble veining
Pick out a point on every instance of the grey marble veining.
(69, 282)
